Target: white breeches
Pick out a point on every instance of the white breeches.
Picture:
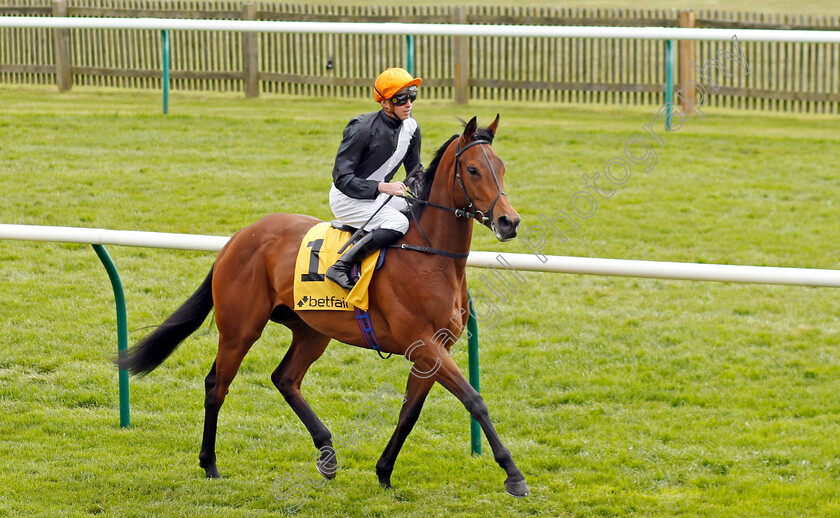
(355, 212)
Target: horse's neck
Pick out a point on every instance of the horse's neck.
(443, 229)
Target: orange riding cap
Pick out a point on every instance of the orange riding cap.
(391, 81)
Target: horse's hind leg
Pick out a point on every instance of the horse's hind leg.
(207, 456)
(415, 394)
(238, 330)
(307, 346)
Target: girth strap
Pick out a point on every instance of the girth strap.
(366, 325)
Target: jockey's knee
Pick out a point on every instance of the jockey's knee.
(398, 224)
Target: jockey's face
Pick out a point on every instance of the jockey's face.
(400, 105)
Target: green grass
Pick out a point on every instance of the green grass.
(616, 396)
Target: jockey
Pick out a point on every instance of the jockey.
(373, 147)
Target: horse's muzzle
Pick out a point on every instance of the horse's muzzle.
(505, 227)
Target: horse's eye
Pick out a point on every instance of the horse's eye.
(472, 170)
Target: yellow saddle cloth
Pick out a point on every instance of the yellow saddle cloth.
(318, 251)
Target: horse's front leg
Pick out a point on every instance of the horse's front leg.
(447, 373)
(415, 394)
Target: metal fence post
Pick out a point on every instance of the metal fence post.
(409, 50)
(122, 327)
(472, 330)
(165, 50)
(669, 80)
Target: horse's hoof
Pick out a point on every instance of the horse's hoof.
(518, 488)
(384, 476)
(384, 481)
(327, 469)
(212, 472)
(326, 464)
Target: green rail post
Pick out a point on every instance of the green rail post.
(165, 45)
(472, 330)
(409, 43)
(669, 80)
(122, 327)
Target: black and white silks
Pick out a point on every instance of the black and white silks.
(373, 147)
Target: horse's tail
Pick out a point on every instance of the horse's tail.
(151, 351)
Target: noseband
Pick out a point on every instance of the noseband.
(471, 211)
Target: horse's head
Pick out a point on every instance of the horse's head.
(479, 175)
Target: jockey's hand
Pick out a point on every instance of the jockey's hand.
(414, 178)
(394, 189)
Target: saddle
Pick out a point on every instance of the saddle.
(355, 237)
(346, 228)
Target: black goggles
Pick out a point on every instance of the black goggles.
(401, 99)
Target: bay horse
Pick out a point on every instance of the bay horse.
(419, 293)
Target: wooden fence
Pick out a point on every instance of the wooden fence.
(783, 76)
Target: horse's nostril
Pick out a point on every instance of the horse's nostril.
(507, 227)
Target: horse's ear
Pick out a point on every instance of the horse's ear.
(469, 129)
(494, 125)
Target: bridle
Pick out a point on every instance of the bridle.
(470, 211)
(483, 217)
(473, 212)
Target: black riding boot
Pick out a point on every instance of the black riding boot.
(379, 238)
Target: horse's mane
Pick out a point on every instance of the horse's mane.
(421, 181)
